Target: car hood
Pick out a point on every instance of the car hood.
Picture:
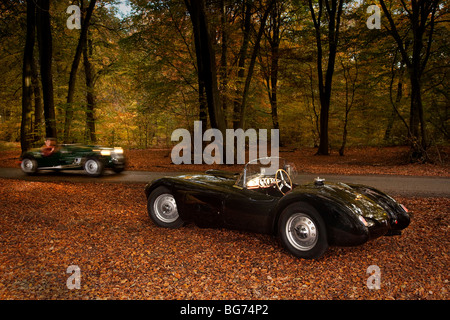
(349, 197)
(80, 147)
(209, 179)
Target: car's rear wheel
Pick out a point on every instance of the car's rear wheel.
(29, 165)
(302, 231)
(93, 167)
(162, 208)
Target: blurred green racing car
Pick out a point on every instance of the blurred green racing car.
(92, 159)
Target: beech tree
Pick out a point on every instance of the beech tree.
(171, 62)
(273, 34)
(45, 42)
(206, 65)
(74, 69)
(328, 11)
(90, 98)
(27, 89)
(242, 93)
(421, 15)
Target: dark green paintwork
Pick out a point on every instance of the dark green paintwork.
(73, 156)
(214, 200)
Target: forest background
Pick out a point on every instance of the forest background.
(318, 70)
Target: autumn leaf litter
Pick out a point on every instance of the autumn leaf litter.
(105, 231)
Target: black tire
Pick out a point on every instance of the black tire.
(162, 209)
(94, 167)
(302, 231)
(29, 165)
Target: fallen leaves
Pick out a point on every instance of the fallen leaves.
(104, 229)
(357, 160)
(364, 160)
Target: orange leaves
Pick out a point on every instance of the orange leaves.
(104, 229)
(368, 160)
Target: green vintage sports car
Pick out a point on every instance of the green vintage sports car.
(307, 218)
(92, 159)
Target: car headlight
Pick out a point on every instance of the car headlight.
(118, 150)
(105, 152)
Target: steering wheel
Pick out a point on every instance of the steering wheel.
(283, 180)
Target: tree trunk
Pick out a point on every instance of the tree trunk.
(323, 123)
(387, 133)
(74, 69)
(207, 74)
(38, 109)
(274, 40)
(398, 98)
(274, 85)
(44, 36)
(90, 97)
(421, 16)
(223, 61)
(241, 63)
(418, 136)
(348, 99)
(334, 13)
(252, 65)
(27, 74)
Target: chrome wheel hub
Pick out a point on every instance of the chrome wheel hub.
(165, 208)
(91, 166)
(301, 232)
(27, 165)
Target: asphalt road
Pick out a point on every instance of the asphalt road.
(394, 185)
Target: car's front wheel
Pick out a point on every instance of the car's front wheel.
(302, 231)
(93, 167)
(29, 165)
(162, 208)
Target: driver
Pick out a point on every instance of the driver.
(50, 147)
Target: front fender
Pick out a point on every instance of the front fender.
(399, 218)
(344, 228)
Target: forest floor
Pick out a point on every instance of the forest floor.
(367, 160)
(104, 229)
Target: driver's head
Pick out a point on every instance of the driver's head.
(290, 169)
(50, 142)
